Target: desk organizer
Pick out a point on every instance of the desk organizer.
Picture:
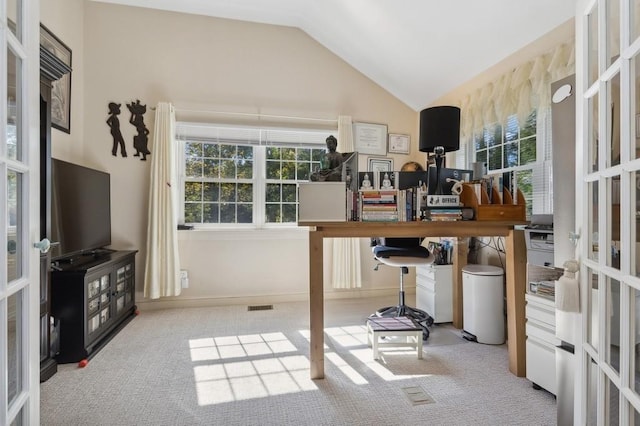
(500, 207)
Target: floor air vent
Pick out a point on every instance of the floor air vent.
(260, 307)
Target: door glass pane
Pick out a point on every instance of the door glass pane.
(635, 224)
(15, 352)
(593, 132)
(613, 31)
(593, 220)
(14, 226)
(635, 332)
(14, 9)
(21, 418)
(14, 150)
(635, 103)
(612, 321)
(613, 121)
(613, 399)
(592, 45)
(634, 20)
(592, 307)
(613, 255)
(592, 394)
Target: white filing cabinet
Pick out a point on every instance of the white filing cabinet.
(434, 291)
(541, 342)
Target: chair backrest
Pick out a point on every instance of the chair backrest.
(401, 242)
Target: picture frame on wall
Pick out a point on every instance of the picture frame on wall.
(399, 143)
(377, 164)
(61, 88)
(369, 138)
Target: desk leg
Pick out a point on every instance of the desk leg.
(459, 261)
(516, 262)
(316, 305)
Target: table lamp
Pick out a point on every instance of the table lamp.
(439, 133)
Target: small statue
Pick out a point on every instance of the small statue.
(366, 183)
(330, 169)
(386, 182)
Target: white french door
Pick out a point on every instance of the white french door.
(608, 213)
(19, 260)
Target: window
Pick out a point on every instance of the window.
(515, 147)
(245, 176)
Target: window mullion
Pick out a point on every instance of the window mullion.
(259, 186)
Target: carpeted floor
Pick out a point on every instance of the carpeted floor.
(228, 366)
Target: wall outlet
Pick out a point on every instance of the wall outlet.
(184, 278)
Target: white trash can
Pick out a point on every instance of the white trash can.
(483, 303)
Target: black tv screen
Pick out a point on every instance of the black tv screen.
(80, 209)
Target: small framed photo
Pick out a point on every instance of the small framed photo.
(60, 89)
(370, 138)
(399, 144)
(380, 164)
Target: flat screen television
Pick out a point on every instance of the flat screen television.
(80, 209)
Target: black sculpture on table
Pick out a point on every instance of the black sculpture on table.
(330, 164)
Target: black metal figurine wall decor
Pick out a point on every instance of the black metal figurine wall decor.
(114, 124)
(140, 140)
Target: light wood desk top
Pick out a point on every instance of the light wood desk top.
(515, 273)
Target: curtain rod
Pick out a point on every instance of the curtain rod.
(248, 114)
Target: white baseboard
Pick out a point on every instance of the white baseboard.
(199, 302)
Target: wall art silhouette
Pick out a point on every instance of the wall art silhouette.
(140, 140)
(114, 124)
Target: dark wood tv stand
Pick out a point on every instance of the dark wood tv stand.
(93, 297)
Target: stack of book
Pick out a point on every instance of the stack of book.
(448, 213)
(378, 206)
(441, 214)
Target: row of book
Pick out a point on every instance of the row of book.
(404, 205)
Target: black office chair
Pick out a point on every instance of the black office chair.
(403, 253)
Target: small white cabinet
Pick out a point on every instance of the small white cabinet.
(434, 291)
(541, 342)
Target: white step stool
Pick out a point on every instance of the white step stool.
(393, 326)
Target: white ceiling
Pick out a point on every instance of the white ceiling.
(418, 50)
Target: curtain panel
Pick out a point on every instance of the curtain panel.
(345, 252)
(162, 273)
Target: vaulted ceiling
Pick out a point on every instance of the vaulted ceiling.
(418, 50)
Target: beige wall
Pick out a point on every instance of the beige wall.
(215, 64)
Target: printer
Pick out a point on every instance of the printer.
(539, 239)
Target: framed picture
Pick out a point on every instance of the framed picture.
(370, 138)
(60, 89)
(399, 144)
(380, 164)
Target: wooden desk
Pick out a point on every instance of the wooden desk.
(515, 274)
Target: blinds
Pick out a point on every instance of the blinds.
(249, 135)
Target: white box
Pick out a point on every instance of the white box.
(322, 202)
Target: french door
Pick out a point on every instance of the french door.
(608, 213)
(19, 260)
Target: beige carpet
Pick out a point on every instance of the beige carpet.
(228, 366)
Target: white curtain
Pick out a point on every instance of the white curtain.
(345, 253)
(162, 274)
(525, 87)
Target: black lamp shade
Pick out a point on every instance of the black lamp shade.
(440, 126)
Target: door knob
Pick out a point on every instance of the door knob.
(44, 245)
